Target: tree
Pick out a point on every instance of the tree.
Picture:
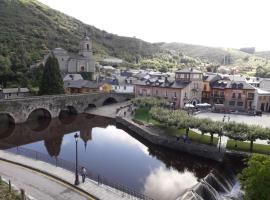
(51, 82)
(255, 179)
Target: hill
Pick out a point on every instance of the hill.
(29, 29)
(40, 28)
(263, 54)
(245, 62)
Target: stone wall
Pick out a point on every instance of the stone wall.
(202, 150)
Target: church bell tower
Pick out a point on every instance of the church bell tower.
(86, 47)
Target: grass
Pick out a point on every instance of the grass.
(245, 146)
(142, 114)
(6, 195)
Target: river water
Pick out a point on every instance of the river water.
(112, 152)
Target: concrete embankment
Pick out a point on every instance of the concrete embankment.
(202, 150)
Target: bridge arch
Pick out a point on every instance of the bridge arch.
(39, 119)
(68, 114)
(109, 100)
(39, 114)
(7, 117)
(7, 125)
(90, 106)
(70, 110)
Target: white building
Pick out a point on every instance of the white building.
(123, 85)
(262, 100)
(12, 93)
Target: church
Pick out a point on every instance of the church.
(83, 61)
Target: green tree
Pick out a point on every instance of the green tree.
(255, 179)
(51, 82)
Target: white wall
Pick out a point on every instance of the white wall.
(123, 88)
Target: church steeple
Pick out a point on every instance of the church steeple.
(86, 46)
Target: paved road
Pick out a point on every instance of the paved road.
(256, 120)
(108, 110)
(37, 185)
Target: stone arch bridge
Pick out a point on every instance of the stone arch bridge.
(19, 110)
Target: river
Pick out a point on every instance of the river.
(113, 152)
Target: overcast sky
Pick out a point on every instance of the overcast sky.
(220, 23)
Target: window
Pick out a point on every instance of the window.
(239, 96)
(174, 94)
(233, 95)
(232, 103)
(222, 93)
(125, 87)
(185, 94)
(240, 103)
(204, 87)
(82, 68)
(251, 95)
(87, 46)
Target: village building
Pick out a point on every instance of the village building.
(81, 86)
(262, 100)
(233, 93)
(81, 62)
(208, 80)
(13, 93)
(72, 77)
(185, 87)
(122, 84)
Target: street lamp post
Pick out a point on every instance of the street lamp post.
(77, 182)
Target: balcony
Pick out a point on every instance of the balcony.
(216, 96)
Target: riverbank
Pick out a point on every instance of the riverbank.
(202, 150)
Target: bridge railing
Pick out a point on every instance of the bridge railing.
(63, 95)
(58, 162)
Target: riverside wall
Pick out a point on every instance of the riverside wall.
(202, 150)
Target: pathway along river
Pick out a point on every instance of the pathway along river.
(114, 153)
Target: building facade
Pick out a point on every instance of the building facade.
(185, 87)
(230, 95)
(13, 93)
(84, 61)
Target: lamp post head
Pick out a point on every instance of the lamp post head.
(76, 136)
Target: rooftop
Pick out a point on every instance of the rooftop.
(189, 70)
(16, 90)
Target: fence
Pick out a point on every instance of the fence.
(58, 162)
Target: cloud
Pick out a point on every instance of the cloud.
(168, 184)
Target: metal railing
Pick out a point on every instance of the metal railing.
(58, 162)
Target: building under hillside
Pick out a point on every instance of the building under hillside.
(83, 61)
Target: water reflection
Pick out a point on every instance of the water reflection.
(163, 183)
(113, 153)
(53, 146)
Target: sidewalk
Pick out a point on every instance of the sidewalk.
(89, 187)
(36, 185)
